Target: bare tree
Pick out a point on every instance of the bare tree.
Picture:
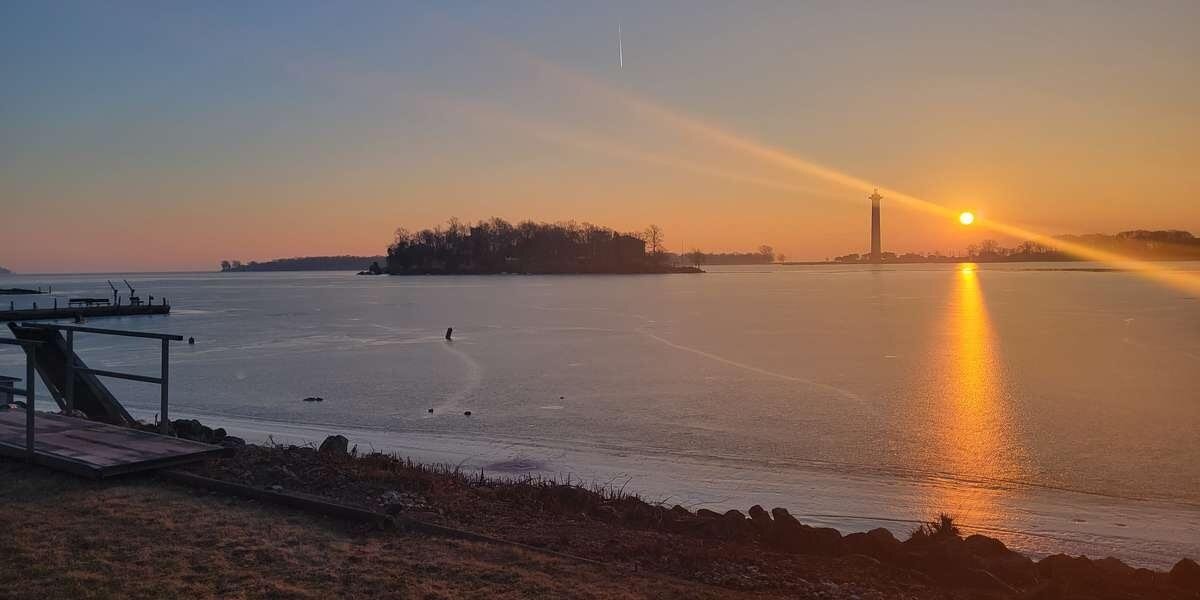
(401, 238)
(1031, 248)
(654, 238)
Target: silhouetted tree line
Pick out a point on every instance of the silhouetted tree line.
(1171, 244)
(765, 255)
(497, 246)
(1168, 244)
(303, 263)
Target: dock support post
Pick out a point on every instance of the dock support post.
(29, 399)
(69, 389)
(164, 424)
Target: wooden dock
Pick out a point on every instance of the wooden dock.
(95, 449)
(86, 312)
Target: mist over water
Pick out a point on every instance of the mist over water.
(1047, 399)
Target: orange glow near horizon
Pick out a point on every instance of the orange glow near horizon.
(706, 140)
(779, 157)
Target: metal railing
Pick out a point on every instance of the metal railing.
(163, 380)
(29, 391)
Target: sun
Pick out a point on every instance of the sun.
(966, 218)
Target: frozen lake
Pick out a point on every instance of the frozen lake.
(1042, 398)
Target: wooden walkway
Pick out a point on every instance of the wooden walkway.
(95, 449)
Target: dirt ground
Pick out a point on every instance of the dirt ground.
(150, 537)
(64, 537)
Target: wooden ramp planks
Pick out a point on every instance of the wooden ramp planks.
(95, 449)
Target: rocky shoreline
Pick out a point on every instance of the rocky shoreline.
(756, 550)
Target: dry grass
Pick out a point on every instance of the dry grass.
(940, 528)
(600, 522)
(62, 537)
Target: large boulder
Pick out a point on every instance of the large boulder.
(1114, 567)
(712, 524)
(1068, 568)
(792, 535)
(1186, 574)
(879, 543)
(1013, 568)
(335, 444)
(191, 429)
(761, 519)
(735, 525)
(984, 546)
(230, 441)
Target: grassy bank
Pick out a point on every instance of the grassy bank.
(151, 537)
(64, 537)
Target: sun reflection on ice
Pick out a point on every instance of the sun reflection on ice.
(971, 423)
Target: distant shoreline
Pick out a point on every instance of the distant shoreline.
(344, 262)
(965, 259)
(645, 271)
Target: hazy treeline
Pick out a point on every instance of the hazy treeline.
(1170, 244)
(765, 255)
(497, 246)
(1141, 244)
(304, 263)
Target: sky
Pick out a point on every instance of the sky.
(154, 136)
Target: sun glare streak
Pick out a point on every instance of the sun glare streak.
(589, 141)
(785, 159)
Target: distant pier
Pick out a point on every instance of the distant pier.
(85, 307)
(86, 312)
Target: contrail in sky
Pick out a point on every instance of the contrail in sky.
(620, 47)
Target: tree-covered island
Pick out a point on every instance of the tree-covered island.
(497, 246)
